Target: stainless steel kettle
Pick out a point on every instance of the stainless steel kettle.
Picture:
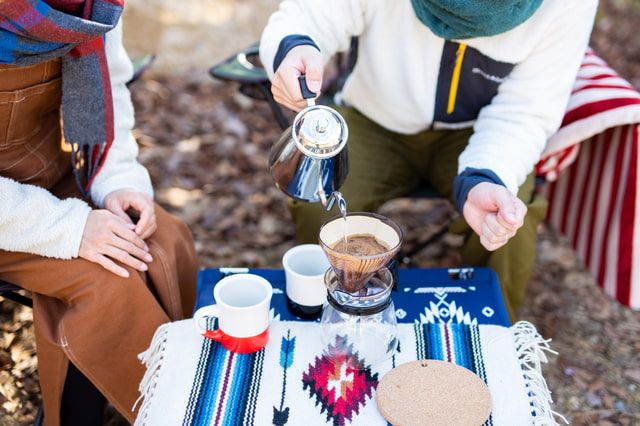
(309, 162)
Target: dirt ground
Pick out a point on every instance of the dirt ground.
(206, 146)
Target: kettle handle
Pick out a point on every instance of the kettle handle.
(306, 93)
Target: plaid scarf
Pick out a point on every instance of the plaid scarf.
(31, 32)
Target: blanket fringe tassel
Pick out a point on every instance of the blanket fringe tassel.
(531, 349)
(152, 359)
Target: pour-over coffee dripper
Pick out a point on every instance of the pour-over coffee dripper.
(359, 322)
(353, 271)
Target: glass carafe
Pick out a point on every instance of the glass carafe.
(362, 324)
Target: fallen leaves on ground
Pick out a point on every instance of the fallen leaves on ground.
(206, 148)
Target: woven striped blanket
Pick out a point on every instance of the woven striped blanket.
(191, 380)
(592, 166)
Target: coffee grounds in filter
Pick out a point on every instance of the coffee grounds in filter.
(355, 261)
(361, 245)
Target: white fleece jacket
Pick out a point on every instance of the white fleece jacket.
(32, 220)
(397, 77)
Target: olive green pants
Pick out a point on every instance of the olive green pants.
(384, 165)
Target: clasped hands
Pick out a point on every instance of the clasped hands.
(110, 234)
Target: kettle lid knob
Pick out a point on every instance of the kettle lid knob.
(322, 124)
(319, 132)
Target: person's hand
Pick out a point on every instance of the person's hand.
(494, 213)
(285, 86)
(107, 237)
(118, 202)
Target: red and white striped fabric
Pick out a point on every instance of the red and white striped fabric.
(595, 202)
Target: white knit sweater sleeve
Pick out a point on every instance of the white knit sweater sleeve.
(121, 168)
(511, 132)
(329, 23)
(32, 220)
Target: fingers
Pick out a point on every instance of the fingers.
(492, 228)
(121, 244)
(505, 201)
(120, 201)
(494, 235)
(108, 239)
(287, 89)
(115, 207)
(290, 83)
(286, 86)
(111, 266)
(283, 99)
(494, 213)
(124, 231)
(153, 226)
(125, 258)
(513, 215)
(496, 231)
(147, 218)
(491, 246)
(521, 211)
(313, 70)
(132, 249)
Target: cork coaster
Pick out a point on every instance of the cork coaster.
(434, 393)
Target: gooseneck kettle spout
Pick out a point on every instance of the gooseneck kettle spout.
(336, 196)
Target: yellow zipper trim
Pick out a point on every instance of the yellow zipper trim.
(455, 78)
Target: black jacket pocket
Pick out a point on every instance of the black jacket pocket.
(468, 81)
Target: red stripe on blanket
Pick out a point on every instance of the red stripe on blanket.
(567, 201)
(582, 198)
(598, 187)
(561, 158)
(627, 222)
(592, 108)
(584, 242)
(613, 196)
(569, 158)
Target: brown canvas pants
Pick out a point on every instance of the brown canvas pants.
(82, 312)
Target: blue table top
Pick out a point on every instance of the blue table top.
(435, 295)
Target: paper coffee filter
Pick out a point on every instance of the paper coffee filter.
(334, 230)
(354, 271)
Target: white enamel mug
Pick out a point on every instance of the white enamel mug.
(242, 309)
(304, 268)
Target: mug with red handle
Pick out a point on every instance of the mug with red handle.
(242, 309)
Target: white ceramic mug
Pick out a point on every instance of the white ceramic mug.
(242, 309)
(304, 268)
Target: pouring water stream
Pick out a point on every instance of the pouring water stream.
(342, 207)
